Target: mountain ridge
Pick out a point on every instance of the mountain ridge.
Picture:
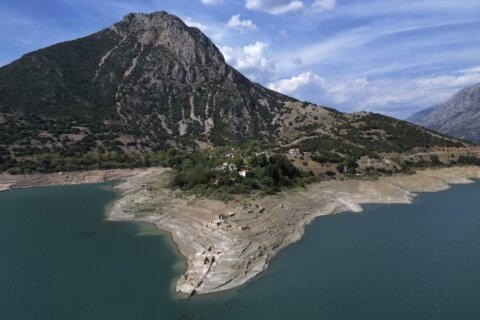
(459, 116)
(149, 83)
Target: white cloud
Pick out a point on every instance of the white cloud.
(211, 2)
(215, 30)
(450, 82)
(251, 60)
(323, 5)
(469, 71)
(293, 85)
(399, 97)
(247, 57)
(192, 23)
(242, 25)
(275, 6)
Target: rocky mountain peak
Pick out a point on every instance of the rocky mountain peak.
(459, 116)
(166, 30)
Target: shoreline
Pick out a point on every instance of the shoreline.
(231, 254)
(12, 182)
(226, 256)
(180, 263)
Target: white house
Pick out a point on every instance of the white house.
(245, 173)
(294, 152)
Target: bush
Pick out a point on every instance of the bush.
(330, 173)
(348, 163)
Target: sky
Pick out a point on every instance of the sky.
(394, 57)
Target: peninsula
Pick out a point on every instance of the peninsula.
(233, 170)
(228, 243)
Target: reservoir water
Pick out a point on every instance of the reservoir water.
(60, 259)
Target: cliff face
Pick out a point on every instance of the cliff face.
(459, 116)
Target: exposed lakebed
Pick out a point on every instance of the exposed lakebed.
(60, 259)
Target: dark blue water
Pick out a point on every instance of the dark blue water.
(59, 259)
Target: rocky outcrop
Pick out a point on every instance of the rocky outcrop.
(459, 116)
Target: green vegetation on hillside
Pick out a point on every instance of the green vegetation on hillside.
(371, 135)
(204, 175)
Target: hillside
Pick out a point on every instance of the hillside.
(150, 83)
(459, 116)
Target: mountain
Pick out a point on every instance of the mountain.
(149, 77)
(459, 116)
(150, 83)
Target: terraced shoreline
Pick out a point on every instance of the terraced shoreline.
(10, 182)
(228, 244)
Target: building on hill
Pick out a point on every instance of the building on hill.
(226, 166)
(246, 173)
(295, 152)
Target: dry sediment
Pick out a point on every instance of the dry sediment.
(227, 244)
(9, 182)
(5, 187)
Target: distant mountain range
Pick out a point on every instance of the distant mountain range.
(459, 116)
(151, 83)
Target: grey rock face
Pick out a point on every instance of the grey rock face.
(178, 77)
(459, 116)
(149, 75)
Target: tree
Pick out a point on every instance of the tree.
(349, 163)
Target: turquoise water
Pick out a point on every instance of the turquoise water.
(59, 259)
